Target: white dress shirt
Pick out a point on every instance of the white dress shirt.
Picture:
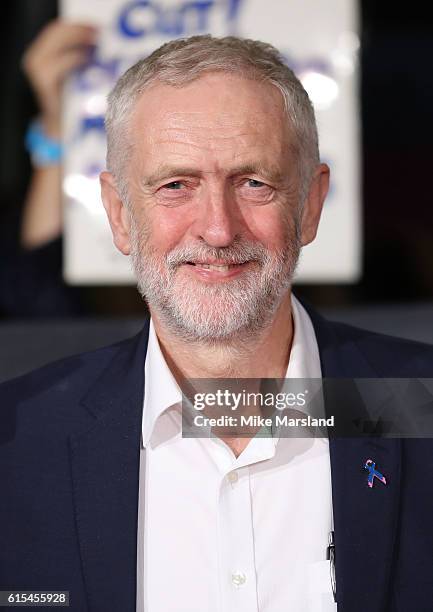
(225, 534)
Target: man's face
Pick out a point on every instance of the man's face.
(215, 227)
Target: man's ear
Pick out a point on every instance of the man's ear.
(117, 214)
(313, 204)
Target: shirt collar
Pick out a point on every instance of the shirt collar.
(304, 361)
(161, 390)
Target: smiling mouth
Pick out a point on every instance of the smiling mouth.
(217, 267)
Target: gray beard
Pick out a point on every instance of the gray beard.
(219, 313)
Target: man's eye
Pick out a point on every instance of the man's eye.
(254, 183)
(173, 185)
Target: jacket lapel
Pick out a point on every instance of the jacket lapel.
(365, 518)
(105, 475)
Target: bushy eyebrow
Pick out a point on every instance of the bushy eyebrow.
(166, 172)
(271, 173)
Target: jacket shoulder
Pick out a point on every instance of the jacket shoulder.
(72, 371)
(389, 355)
(48, 398)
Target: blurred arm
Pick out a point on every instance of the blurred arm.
(59, 48)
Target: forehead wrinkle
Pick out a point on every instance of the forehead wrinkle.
(203, 125)
(221, 145)
(178, 134)
(178, 126)
(238, 140)
(202, 119)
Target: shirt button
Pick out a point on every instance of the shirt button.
(238, 579)
(232, 477)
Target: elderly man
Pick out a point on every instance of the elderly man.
(213, 186)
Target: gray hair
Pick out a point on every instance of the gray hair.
(184, 60)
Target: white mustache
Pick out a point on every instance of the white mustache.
(233, 254)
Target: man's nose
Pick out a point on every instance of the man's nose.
(218, 218)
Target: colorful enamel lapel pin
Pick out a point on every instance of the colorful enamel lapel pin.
(370, 466)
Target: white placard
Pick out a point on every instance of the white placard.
(319, 41)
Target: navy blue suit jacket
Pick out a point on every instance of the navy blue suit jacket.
(69, 467)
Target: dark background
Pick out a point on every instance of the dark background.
(397, 135)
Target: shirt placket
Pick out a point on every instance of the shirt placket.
(238, 582)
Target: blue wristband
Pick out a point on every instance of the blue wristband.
(44, 151)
